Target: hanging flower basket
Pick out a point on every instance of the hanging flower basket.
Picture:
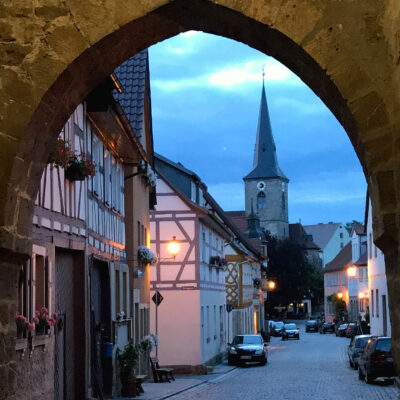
(59, 156)
(146, 256)
(79, 168)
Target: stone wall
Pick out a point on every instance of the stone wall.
(347, 52)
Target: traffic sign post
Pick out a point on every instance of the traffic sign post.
(229, 308)
(157, 299)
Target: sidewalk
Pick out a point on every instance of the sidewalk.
(164, 390)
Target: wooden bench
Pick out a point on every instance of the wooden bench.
(139, 381)
(160, 373)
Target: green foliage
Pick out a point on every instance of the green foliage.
(128, 358)
(295, 277)
(339, 306)
(349, 225)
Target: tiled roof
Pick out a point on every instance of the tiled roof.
(358, 229)
(265, 164)
(300, 236)
(363, 260)
(132, 75)
(341, 261)
(239, 218)
(322, 233)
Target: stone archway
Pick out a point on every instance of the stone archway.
(54, 53)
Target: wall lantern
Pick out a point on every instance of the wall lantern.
(174, 246)
(361, 295)
(271, 285)
(351, 272)
(339, 295)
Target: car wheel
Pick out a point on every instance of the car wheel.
(264, 361)
(368, 378)
(351, 364)
(230, 361)
(324, 332)
(360, 374)
(298, 337)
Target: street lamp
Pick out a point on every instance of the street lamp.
(271, 285)
(361, 295)
(339, 295)
(174, 246)
(351, 272)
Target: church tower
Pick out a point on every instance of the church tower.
(266, 183)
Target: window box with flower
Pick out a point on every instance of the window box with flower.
(79, 167)
(43, 322)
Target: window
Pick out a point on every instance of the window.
(117, 292)
(34, 285)
(372, 302)
(124, 293)
(142, 235)
(375, 251)
(215, 322)
(208, 323)
(283, 202)
(370, 245)
(138, 233)
(202, 322)
(261, 201)
(341, 235)
(377, 303)
(341, 245)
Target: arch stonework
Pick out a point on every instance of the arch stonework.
(53, 52)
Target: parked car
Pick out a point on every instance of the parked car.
(277, 328)
(327, 327)
(245, 348)
(356, 347)
(290, 331)
(376, 360)
(311, 326)
(352, 330)
(341, 330)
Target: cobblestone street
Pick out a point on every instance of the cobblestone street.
(315, 367)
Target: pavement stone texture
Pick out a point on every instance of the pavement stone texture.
(315, 367)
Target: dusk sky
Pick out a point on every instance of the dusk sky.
(206, 93)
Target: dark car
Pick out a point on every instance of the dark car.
(290, 331)
(311, 326)
(356, 347)
(376, 360)
(341, 330)
(352, 330)
(277, 328)
(247, 348)
(327, 327)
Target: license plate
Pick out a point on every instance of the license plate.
(390, 359)
(245, 357)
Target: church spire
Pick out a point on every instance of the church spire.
(265, 164)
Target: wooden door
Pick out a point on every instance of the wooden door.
(69, 360)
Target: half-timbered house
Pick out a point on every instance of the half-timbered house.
(192, 320)
(83, 254)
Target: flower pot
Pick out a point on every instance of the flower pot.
(74, 173)
(128, 386)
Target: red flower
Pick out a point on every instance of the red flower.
(55, 315)
(36, 320)
(30, 327)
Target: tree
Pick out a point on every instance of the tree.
(339, 307)
(349, 225)
(295, 277)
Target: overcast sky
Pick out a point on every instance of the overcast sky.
(205, 100)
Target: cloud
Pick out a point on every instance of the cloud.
(231, 77)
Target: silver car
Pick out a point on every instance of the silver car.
(247, 348)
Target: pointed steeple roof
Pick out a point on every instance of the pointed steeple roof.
(265, 164)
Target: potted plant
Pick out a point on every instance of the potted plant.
(22, 325)
(79, 167)
(127, 360)
(146, 256)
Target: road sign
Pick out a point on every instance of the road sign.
(229, 307)
(157, 298)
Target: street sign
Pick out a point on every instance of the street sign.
(229, 307)
(157, 298)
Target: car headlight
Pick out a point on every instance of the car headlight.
(232, 350)
(258, 352)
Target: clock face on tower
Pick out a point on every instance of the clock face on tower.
(261, 185)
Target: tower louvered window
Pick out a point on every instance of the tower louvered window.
(261, 200)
